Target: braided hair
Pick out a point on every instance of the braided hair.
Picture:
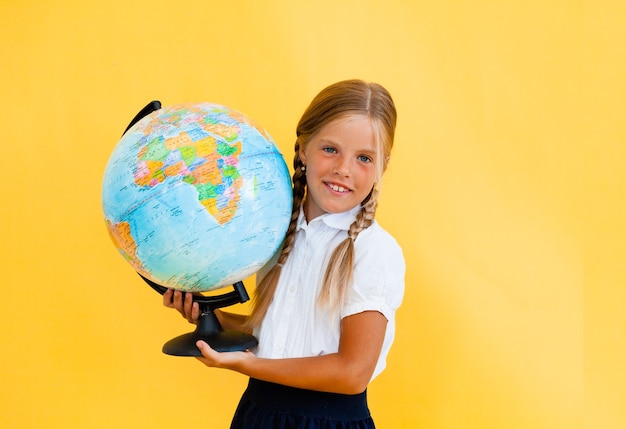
(340, 100)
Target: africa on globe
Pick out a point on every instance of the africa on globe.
(196, 197)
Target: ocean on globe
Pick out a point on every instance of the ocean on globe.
(196, 197)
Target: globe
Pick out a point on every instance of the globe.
(196, 197)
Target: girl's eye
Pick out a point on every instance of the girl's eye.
(364, 158)
(329, 149)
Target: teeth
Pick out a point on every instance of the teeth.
(337, 188)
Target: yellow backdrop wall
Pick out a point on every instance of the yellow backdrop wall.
(506, 190)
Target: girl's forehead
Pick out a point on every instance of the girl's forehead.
(351, 117)
(348, 125)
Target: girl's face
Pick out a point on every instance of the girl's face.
(340, 166)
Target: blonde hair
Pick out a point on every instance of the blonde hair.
(340, 100)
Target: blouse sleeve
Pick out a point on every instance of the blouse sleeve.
(378, 282)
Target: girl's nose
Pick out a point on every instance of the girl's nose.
(342, 168)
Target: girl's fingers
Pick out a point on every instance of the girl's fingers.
(188, 307)
(209, 356)
(195, 312)
(178, 301)
(167, 298)
(183, 303)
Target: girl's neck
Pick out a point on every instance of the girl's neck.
(310, 213)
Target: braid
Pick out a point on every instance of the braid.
(365, 217)
(267, 286)
(338, 276)
(299, 190)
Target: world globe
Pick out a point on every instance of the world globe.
(196, 197)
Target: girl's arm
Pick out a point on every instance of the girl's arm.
(348, 371)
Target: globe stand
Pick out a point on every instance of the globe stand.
(208, 327)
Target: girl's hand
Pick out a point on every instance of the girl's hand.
(229, 360)
(190, 310)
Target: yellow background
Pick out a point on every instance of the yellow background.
(506, 190)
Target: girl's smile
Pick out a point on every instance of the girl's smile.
(340, 165)
(337, 188)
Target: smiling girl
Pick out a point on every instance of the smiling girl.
(325, 305)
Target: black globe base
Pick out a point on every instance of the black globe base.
(210, 331)
(209, 328)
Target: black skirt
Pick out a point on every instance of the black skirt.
(273, 406)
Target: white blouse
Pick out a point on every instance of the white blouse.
(294, 325)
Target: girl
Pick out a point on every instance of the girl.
(324, 307)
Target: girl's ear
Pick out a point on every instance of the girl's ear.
(302, 155)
